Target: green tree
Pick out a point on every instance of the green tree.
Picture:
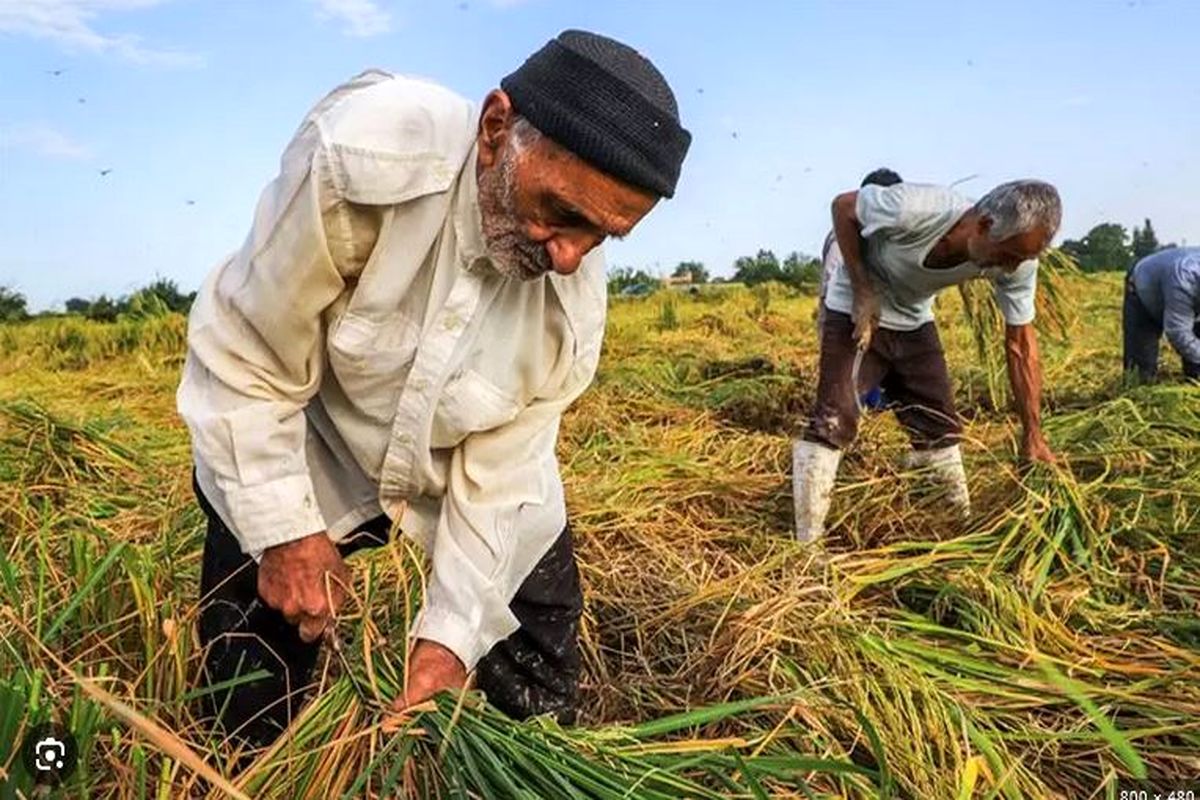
(697, 270)
(1145, 241)
(760, 268)
(1106, 247)
(105, 309)
(622, 278)
(802, 271)
(77, 305)
(13, 307)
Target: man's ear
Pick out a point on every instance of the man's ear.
(495, 123)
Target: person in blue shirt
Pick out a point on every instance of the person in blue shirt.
(1162, 296)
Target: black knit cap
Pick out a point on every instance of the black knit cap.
(607, 104)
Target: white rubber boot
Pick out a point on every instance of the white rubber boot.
(946, 467)
(814, 468)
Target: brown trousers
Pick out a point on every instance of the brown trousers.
(909, 366)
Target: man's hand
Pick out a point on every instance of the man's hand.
(431, 668)
(293, 578)
(1034, 449)
(865, 311)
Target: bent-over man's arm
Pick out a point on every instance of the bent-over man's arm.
(502, 511)
(1025, 376)
(255, 359)
(847, 229)
(1016, 295)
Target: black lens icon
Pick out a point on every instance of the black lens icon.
(50, 753)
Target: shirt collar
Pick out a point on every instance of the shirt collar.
(468, 217)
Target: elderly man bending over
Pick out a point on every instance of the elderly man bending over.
(900, 245)
(421, 297)
(1162, 295)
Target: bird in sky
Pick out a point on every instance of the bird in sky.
(104, 172)
(56, 72)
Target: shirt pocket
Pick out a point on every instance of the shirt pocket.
(470, 403)
(370, 358)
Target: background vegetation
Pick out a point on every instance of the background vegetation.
(1048, 647)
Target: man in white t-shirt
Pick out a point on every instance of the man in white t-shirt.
(902, 244)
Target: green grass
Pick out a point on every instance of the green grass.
(1046, 648)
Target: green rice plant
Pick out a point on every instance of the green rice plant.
(74, 344)
(762, 301)
(668, 314)
(1043, 648)
(1056, 316)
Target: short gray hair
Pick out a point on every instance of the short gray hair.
(1017, 207)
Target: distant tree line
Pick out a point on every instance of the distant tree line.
(160, 297)
(153, 300)
(1108, 246)
(796, 270)
(800, 271)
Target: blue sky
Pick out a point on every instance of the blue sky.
(194, 100)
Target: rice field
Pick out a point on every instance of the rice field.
(1049, 647)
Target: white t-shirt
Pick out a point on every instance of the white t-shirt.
(901, 224)
(831, 262)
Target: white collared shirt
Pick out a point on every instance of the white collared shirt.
(359, 353)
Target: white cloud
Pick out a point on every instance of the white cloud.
(43, 140)
(70, 23)
(362, 18)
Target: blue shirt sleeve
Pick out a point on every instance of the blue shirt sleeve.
(1016, 294)
(1181, 292)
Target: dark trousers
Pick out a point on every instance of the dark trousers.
(909, 366)
(534, 671)
(1142, 332)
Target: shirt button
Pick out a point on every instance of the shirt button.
(403, 439)
(420, 384)
(451, 322)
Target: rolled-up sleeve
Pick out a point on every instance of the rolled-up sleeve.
(880, 208)
(1181, 294)
(1016, 294)
(255, 354)
(502, 511)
